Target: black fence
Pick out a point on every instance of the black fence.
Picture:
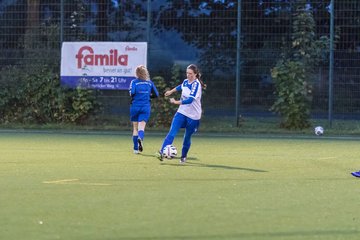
(235, 44)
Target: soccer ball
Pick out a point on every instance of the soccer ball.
(319, 130)
(169, 151)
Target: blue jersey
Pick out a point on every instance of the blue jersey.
(141, 91)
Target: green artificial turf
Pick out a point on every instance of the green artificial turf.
(92, 186)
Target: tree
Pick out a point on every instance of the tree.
(32, 24)
(209, 26)
(293, 74)
(102, 20)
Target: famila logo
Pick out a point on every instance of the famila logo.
(86, 56)
(128, 48)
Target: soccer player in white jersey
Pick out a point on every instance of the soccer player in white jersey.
(189, 112)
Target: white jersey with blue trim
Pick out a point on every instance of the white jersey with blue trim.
(191, 90)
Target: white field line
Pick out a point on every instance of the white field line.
(325, 158)
(75, 181)
(61, 181)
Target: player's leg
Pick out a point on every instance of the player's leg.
(356, 174)
(144, 116)
(186, 146)
(135, 137)
(191, 128)
(134, 120)
(178, 121)
(141, 135)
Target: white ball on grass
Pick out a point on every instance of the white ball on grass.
(169, 151)
(319, 130)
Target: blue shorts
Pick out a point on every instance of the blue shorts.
(181, 121)
(139, 113)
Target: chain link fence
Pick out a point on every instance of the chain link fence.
(235, 44)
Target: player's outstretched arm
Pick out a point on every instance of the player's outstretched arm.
(168, 93)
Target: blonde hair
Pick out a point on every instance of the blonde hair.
(141, 72)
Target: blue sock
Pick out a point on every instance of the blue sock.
(135, 142)
(187, 141)
(141, 134)
(184, 151)
(186, 145)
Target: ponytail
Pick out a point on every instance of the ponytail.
(197, 74)
(203, 85)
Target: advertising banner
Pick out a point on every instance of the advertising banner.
(101, 65)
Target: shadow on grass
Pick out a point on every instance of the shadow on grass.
(214, 166)
(173, 159)
(217, 166)
(170, 162)
(154, 156)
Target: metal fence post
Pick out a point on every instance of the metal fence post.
(331, 63)
(238, 50)
(61, 22)
(148, 25)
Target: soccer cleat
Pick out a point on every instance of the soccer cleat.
(356, 174)
(141, 145)
(183, 160)
(136, 151)
(159, 156)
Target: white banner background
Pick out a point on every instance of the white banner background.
(101, 65)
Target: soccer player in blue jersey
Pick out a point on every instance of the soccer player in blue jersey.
(356, 174)
(141, 90)
(189, 112)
